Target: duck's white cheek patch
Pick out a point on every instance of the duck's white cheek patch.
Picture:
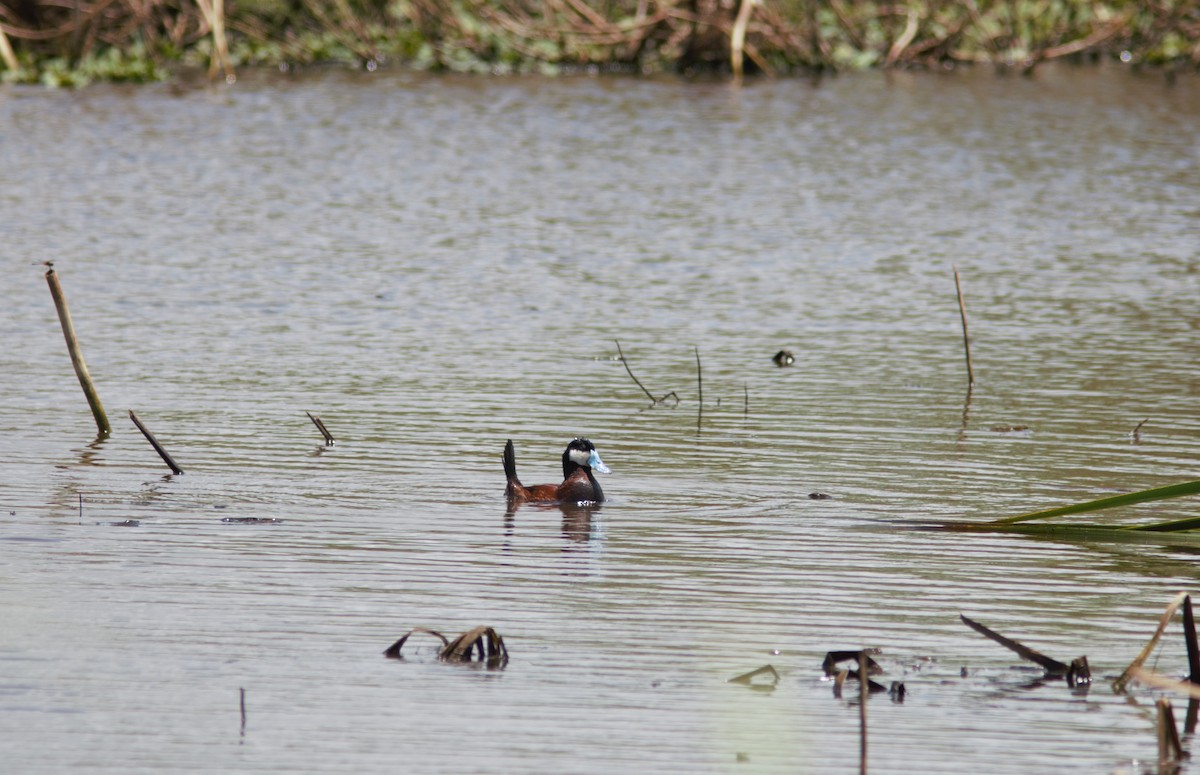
(580, 457)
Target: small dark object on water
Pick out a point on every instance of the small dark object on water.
(1009, 428)
(897, 692)
(123, 523)
(784, 358)
(819, 496)
(963, 673)
(483, 642)
(251, 520)
(833, 657)
(861, 657)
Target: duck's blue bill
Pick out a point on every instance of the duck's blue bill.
(597, 464)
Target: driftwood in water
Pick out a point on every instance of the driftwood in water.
(321, 427)
(81, 369)
(1077, 673)
(154, 443)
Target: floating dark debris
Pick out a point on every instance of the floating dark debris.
(784, 358)
(1009, 428)
(819, 496)
(897, 691)
(482, 645)
(251, 521)
(840, 676)
(122, 523)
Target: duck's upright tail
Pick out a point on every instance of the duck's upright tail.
(510, 470)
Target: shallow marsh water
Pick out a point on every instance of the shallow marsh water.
(436, 264)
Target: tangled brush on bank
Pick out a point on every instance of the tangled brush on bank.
(772, 36)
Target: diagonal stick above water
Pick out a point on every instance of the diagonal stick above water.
(1050, 665)
(154, 443)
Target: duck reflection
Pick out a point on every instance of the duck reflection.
(576, 517)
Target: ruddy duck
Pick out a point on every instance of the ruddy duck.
(579, 459)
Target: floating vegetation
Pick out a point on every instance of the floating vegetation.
(1155, 531)
(748, 678)
(481, 645)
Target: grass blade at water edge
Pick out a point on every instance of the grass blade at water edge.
(1112, 502)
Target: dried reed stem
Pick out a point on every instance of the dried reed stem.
(81, 369)
(962, 311)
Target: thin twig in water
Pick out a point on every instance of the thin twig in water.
(242, 692)
(1137, 429)
(630, 372)
(962, 311)
(699, 377)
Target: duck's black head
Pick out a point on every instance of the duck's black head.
(581, 453)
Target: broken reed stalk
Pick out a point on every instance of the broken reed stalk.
(329, 442)
(864, 694)
(700, 378)
(242, 692)
(154, 443)
(81, 369)
(630, 372)
(1136, 664)
(962, 311)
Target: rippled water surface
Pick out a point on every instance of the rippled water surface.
(434, 265)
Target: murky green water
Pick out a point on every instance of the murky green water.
(434, 265)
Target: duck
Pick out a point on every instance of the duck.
(579, 485)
